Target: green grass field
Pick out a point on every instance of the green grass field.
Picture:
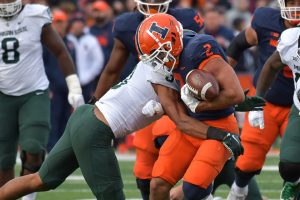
(75, 187)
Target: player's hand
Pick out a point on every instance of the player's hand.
(188, 98)
(250, 103)
(256, 119)
(232, 142)
(152, 108)
(75, 97)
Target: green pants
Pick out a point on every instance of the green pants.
(290, 144)
(24, 121)
(86, 143)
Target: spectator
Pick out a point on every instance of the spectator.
(89, 55)
(60, 108)
(102, 29)
(214, 20)
(240, 9)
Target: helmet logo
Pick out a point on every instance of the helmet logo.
(161, 31)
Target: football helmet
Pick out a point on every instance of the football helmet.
(149, 7)
(10, 9)
(291, 13)
(159, 42)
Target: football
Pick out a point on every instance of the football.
(202, 84)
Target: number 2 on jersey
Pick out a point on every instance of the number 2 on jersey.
(10, 53)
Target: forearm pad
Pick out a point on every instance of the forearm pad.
(237, 46)
(216, 134)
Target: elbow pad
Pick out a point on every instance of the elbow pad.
(237, 46)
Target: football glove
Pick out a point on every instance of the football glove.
(187, 97)
(250, 103)
(256, 119)
(152, 108)
(75, 97)
(232, 142)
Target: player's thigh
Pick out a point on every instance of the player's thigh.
(174, 157)
(34, 122)
(8, 130)
(290, 144)
(207, 163)
(91, 141)
(61, 161)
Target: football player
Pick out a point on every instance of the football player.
(197, 161)
(24, 98)
(124, 50)
(287, 54)
(86, 142)
(266, 27)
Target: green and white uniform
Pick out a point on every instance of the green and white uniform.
(86, 142)
(288, 49)
(24, 101)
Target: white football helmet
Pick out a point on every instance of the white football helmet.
(289, 13)
(10, 9)
(150, 7)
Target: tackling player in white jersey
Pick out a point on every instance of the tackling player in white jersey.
(288, 53)
(86, 142)
(24, 98)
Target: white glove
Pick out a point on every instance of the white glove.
(188, 98)
(256, 119)
(75, 97)
(152, 108)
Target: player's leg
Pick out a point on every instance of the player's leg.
(206, 165)
(174, 158)
(9, 133)
(91, 142)
(59, 164)
(289, 165)
(146, 155)
(34, 126)
(256, 144)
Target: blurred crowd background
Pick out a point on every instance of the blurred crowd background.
(86, 28)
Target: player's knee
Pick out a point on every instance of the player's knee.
(194, 192)
(289, 171)
(31, 162)
(158, 186)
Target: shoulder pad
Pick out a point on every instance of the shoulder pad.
(37, 10)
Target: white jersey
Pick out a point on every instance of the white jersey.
(122, 105)
(21, 63)
(288, 48)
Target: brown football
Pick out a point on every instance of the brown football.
(202, 84)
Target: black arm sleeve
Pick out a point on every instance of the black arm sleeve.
(237, 46)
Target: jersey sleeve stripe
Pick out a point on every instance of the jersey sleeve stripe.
(203, 63)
